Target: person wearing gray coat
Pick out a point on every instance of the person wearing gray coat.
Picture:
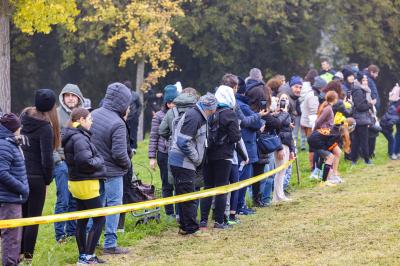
(110, 138)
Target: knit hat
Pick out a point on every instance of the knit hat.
(319, 83)
(256, 74)
(347, 73)
(295, 80)
(241, 86)
(208, 102)
(225, 95)
(170, 93)
(45, 100)
(11, 122)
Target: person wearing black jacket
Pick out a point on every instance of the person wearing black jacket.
(85, 167)
(220, 154)
(40, 125)
(287, 152)
(361, 114)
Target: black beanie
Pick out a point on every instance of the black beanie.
(45, 100)
(11, 122)
(347, 73)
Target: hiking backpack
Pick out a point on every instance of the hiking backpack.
(214, 138)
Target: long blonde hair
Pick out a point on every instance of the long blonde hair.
(51, 117)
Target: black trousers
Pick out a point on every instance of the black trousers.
(359, 143)
(258, 169)
(31, 208)
(371, 146)
(184, 183)
(216, 174)
(133, 130)
(87, 242)
(167, 188)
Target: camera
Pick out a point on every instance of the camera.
(264, 105)
(282, 104)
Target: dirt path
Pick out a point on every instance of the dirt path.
(352, 224)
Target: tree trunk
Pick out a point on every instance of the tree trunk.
(5, 84)
(139, 83)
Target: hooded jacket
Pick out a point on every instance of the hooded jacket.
(189, 141)
(109, 133)
(64, 114)
(183, 102)
(39, 151)
(83, 160)
(14, 186)
(255, 93)
(227, 125)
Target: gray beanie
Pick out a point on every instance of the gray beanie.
(208, 102)
(256, 74)
(319, 83)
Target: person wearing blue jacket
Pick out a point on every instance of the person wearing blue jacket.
(251, 122)
(14, 188)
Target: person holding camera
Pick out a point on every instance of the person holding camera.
(287, 152)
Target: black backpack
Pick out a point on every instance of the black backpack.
(214, 136)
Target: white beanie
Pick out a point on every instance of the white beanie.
(224, 94)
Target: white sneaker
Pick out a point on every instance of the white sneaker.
(316, 174)
(337, 178)
(334, 180)
(394, 157)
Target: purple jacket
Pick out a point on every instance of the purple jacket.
(157, 143)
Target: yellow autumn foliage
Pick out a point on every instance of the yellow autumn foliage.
(145, 27)
(32, 16)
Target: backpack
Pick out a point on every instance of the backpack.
(214, 138)
(175, 121)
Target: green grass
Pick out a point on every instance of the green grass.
(48, 252)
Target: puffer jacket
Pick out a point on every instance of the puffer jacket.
(157, 142)
(109, 130)
(83, 160)
(189, 141)
(183, 102)
(64, 113)
(38, 151)
(14, 186)
(361, 107)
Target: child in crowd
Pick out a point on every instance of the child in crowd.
(86, 168)
(14, 187)
(326, 141)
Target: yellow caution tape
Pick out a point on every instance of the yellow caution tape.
(138, 206)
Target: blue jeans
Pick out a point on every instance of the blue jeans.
(65, 201)
(388, 133)
(397, 140)
(112, 196)
(268, 185)
(246, 173)
(288, 175)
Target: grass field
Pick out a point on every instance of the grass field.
(48, 252)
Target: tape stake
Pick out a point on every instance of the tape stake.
(12, 223)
